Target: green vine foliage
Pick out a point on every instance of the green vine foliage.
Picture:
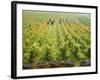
(69, 40)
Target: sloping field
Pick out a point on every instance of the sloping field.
(55, 39)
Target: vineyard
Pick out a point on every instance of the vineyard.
(55, 39)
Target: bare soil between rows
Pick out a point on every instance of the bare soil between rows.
(55, 64)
